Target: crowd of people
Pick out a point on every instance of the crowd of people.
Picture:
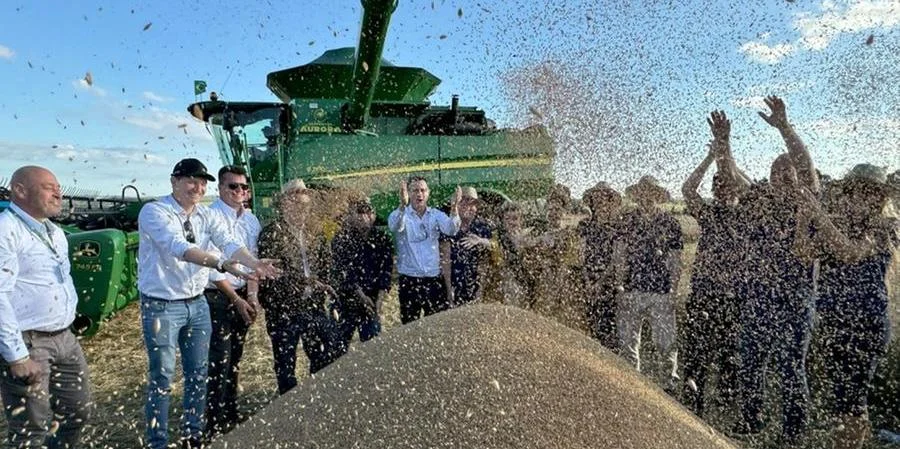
(771, 256)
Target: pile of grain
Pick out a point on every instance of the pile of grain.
(484, 376)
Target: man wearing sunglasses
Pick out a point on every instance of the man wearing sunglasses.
(233, 304)
(173, 271)
(418, 228)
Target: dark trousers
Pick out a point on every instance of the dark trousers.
(320, 338)
(63, 393)
(711, 340)
(600, 304)
(852, 345)
(354, 318)
(226, 347)
(425, 296)
(780, 332)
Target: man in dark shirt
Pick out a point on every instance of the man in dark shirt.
(652, 244)
(712, 310)
(599, 234)
(362, 261)
(464, 252)
(777, 319)
(295, 304)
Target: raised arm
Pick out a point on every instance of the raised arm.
(727, 168)
(397, 218)
(797, 150)
(830, 238)
(449, 225)
(689, 189)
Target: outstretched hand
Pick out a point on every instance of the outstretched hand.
(778, 117)
(471, 241)
(266, 269)
(719, 125)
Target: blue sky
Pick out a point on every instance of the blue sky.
(624, 85)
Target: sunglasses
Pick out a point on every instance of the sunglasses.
(235, 186)
(189, 231)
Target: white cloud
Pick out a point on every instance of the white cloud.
(6, 52)
(765, 53)
(83, 85)
(157, 98)
(818, 31)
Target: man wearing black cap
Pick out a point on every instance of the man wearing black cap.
(173, 270)
(361, 272)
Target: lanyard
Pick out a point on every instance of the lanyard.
(40, 237)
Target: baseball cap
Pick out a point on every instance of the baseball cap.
(192, 168)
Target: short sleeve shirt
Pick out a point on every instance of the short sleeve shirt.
(648, 241)
(599, 241)
(772, 271)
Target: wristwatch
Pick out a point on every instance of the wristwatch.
(220, 266)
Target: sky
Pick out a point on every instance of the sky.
(623, 86)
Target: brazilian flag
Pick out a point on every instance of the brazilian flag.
(199, 87)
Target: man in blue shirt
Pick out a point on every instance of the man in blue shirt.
(417, 229)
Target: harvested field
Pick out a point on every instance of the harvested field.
(477, 376)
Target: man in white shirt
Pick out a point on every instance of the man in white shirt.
(173, 271)
(233, 304)
(37, 306)
(417, 230)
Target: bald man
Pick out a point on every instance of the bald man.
(37, 306)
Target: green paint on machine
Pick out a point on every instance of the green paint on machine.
(352, 119)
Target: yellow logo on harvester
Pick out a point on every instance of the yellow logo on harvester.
(320, 128)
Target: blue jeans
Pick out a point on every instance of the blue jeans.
(184, 324)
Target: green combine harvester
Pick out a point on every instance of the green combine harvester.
(350, 119)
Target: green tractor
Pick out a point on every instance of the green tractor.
(103, 241)
(348, 119)
(352, 120)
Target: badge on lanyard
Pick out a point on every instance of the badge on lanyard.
(60, 273)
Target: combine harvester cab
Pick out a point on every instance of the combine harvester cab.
(351, 120)
(103, 242)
